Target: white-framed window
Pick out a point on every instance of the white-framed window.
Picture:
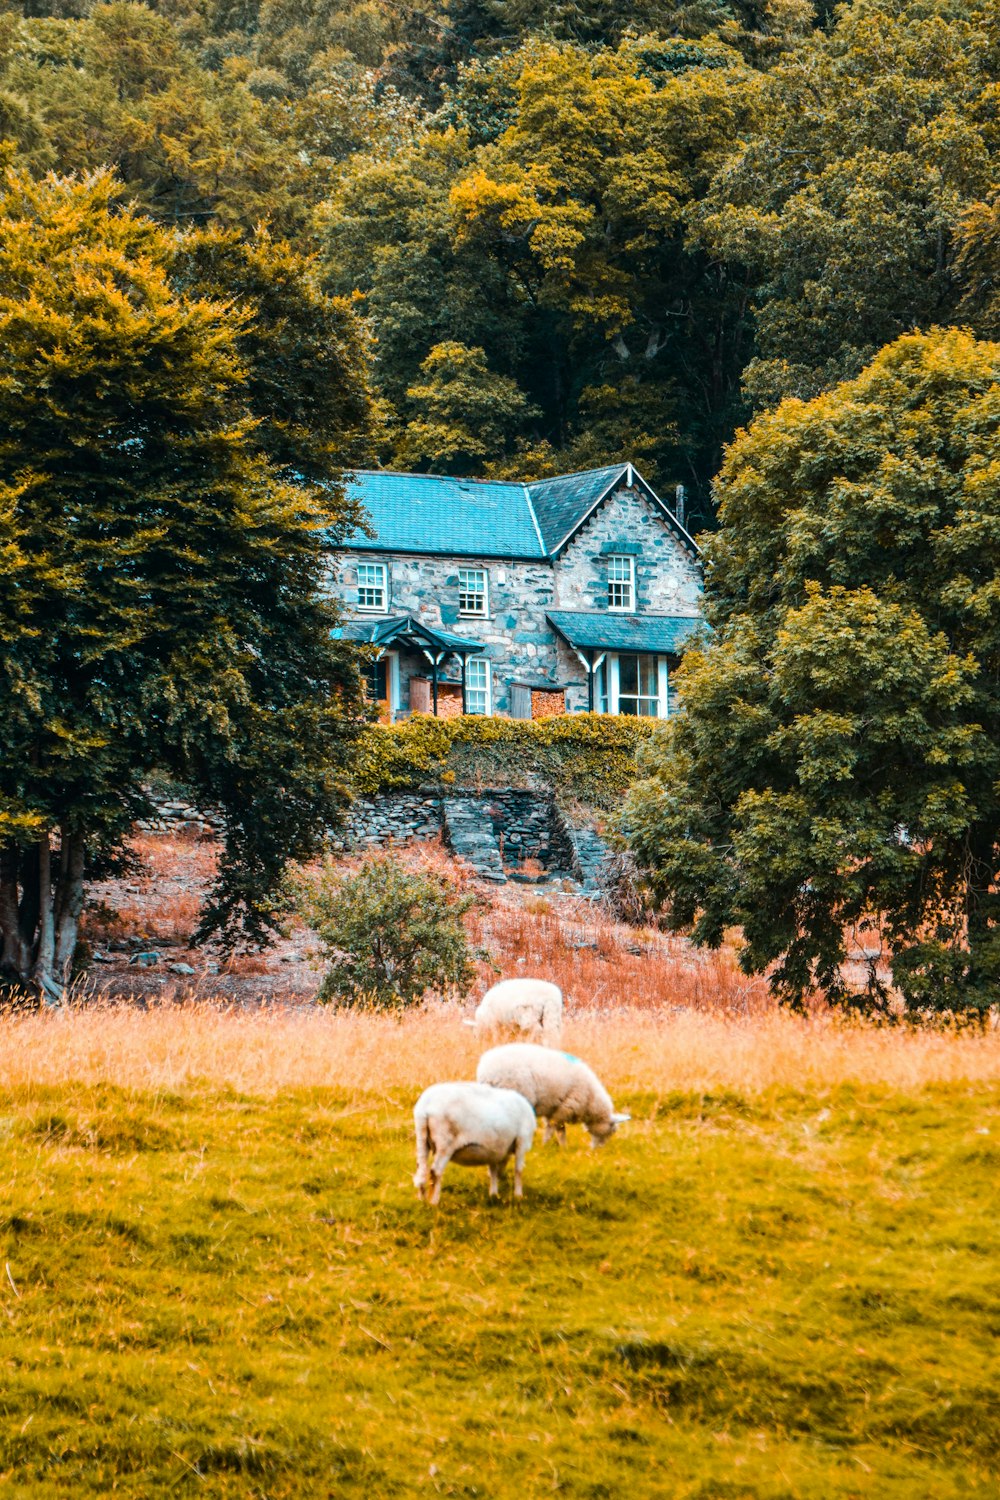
(621, 581)
(477, 685)
(473, 592)
(639, 686)
(633, 683)
(373, 591)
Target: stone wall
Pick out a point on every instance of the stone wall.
(495, 828)
(515, 634)
(396, 819)
(523, 824)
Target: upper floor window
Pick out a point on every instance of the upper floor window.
(472, 592)
(373, 592)
(621, 582)
(477, 685)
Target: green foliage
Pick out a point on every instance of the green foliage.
(590, 758)
(845, 197)
(541, 218)
(463, 414)
(160, 580)
(251, 1300)
(835, 776)
(390, 934)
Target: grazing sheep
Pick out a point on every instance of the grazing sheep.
(560, 1088)
(521, 1008)
(475, 1126)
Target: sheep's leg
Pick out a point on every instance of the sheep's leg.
(424, 1143)
(522, 1150)
(437, 1172)
(494, 1172)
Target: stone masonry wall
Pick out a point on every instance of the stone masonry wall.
(667, 578)
(515, 635)
(507, 824)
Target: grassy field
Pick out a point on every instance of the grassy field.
(781, 1280)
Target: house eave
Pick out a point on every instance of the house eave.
(444, 552)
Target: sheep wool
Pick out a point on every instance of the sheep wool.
(522, 1009)
(560, 1088)
(475, 1126)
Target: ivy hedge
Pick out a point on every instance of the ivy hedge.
(588, 758)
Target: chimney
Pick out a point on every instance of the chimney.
(679, 503)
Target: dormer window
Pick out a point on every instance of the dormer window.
(473, 596)
(621, 582)
(373, 591)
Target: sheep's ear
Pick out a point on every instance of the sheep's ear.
(617, 1119)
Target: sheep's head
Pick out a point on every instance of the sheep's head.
(603, 1130)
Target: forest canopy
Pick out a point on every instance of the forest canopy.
(620, 231)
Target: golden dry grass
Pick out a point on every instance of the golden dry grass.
(263, 1052)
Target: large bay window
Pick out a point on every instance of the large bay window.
(633, 684)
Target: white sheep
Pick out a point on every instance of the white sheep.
(521, 1008)
(475, 1126)
(560, 1088)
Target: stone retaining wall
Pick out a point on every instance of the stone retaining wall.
(495, 827)
(398, 818)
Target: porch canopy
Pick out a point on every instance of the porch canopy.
(405, 630)
(592, 635)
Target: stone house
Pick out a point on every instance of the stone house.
(485, 597)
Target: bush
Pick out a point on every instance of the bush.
(586, 757)
(390, 934)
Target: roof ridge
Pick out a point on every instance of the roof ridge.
(448, 478)
(582, 473)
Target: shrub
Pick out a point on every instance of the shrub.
(391, 934)
(585, 757)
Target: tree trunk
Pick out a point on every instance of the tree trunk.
(69, 904)
(43, 977)
(40, 908)
(982, 905)
(14, 952)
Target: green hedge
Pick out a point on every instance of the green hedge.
(590, 758)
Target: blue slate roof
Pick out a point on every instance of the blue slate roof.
(442, 515)
(560, 504)
(431, 513)
(613, 632)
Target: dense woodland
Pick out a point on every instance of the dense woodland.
(574, 230)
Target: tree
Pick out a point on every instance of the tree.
(836, 766)
(390, 933)
(160, 583)
(304, 354)
(978, 264)
(844, 198)
(542, 217)
(463, 414)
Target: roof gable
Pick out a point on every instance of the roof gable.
(443, 515)
(561, 504)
